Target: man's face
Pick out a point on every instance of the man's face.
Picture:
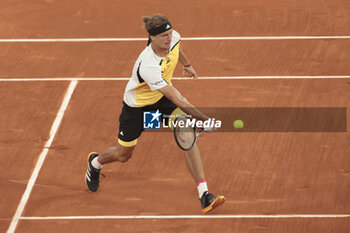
(163, 40)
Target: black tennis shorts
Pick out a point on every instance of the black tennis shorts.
(131, 118)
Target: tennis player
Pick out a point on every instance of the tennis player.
(150, 89)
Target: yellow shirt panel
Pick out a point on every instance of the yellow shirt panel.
(144, 95)
(169, 63)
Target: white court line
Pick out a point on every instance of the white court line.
(174, 78)
(184, 38)
(190, 217)
(42, 157)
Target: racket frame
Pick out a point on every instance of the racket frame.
(196, 134)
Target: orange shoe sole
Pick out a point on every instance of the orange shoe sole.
(216, 203)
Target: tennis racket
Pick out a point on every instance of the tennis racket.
(185, 137)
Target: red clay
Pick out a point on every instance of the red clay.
(210, 58)
(259, 173)
(28, 110)
(301, 175)
(109, 18)
(191, 225)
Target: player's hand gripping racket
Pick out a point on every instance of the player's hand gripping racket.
(185, 136)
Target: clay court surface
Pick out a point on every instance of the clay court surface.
(61, 100)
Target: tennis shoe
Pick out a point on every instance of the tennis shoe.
(92, 176)
(210, 202)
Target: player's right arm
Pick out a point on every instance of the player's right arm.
(152, 74)
(175, 96)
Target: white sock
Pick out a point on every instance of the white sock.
(96, 164)
(202, 187)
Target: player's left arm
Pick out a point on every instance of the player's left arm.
(188, 70)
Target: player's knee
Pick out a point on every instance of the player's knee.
(124, 157)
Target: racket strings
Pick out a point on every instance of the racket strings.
(185, 136)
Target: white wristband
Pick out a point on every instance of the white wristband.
(207, 128)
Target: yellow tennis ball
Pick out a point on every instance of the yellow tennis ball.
(238, 124)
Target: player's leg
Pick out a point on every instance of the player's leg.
(193, 158)
(130, 128)
(195, 167)
(117, 153)
(194, 164)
